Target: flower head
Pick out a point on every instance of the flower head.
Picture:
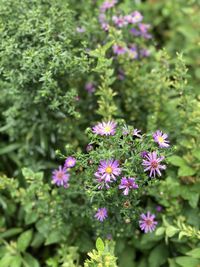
(101, 214)
(144, 30)
(161, 139)
(136, 17)
(127, 184)
(133, 54)
(70, 162)
(119, 50)
(119, 21)
(107, 171)
(60, 177)
(152, 164)
(147, 223)
(105, 128)
(107, 5)
(90, 87)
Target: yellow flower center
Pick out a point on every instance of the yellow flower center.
(107, 129)
(109, 170)
(160, 139)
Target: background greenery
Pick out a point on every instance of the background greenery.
(44, 66)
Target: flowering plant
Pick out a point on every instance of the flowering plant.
(115, 172)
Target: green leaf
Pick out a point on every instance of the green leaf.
(171, 231)
(176, 161)
(172, 263)
(6, 260)
(194, 199)
(160, 231)
(11, 232)
(24, 240)
(186, 171)
(158, 256)
(9, 148)
(54, 237)
(195, 253)
(16, 261)
(99, 244)
(187, 261)
(30, 260)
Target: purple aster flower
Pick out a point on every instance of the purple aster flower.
(143, 154)
(135, 32)
(107, 171)
(144, 30)
(107, 5)
(60, 177)
(147, 223)
(80, 29)
(70, 162)
(161, 139)
(125, 130)
(101, 214)
(152, 164)
(105, 128)
(133, 52)
(136, 17)
(119, 21)
(119, 50)
(90, 87)
(127, 184)
(137, 132)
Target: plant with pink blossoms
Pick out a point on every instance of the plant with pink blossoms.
(70, 162)
(107, 5)
(119, 21)
(105, 128)
(161, 139)
(152, 164)
(127, 184)
(101, 214)
(119, 50)
(147, 222)
(60, 177)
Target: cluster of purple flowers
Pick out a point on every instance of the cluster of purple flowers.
(61, 176)
(109, 170)
(136, 27)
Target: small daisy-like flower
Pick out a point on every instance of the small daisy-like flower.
(136, 17)
(144, 30)
(119, 50)
(60, 177)
(108, 170)
(105, 26)
(152, 164)
(133, 54)
(161, 139)
(147, 222)
(107, 5)
(119, 21)
(137, 132)
(90, 87)
(135, 32)
(70, 162)
(105, 128)
(127, 184)
(101, 214)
